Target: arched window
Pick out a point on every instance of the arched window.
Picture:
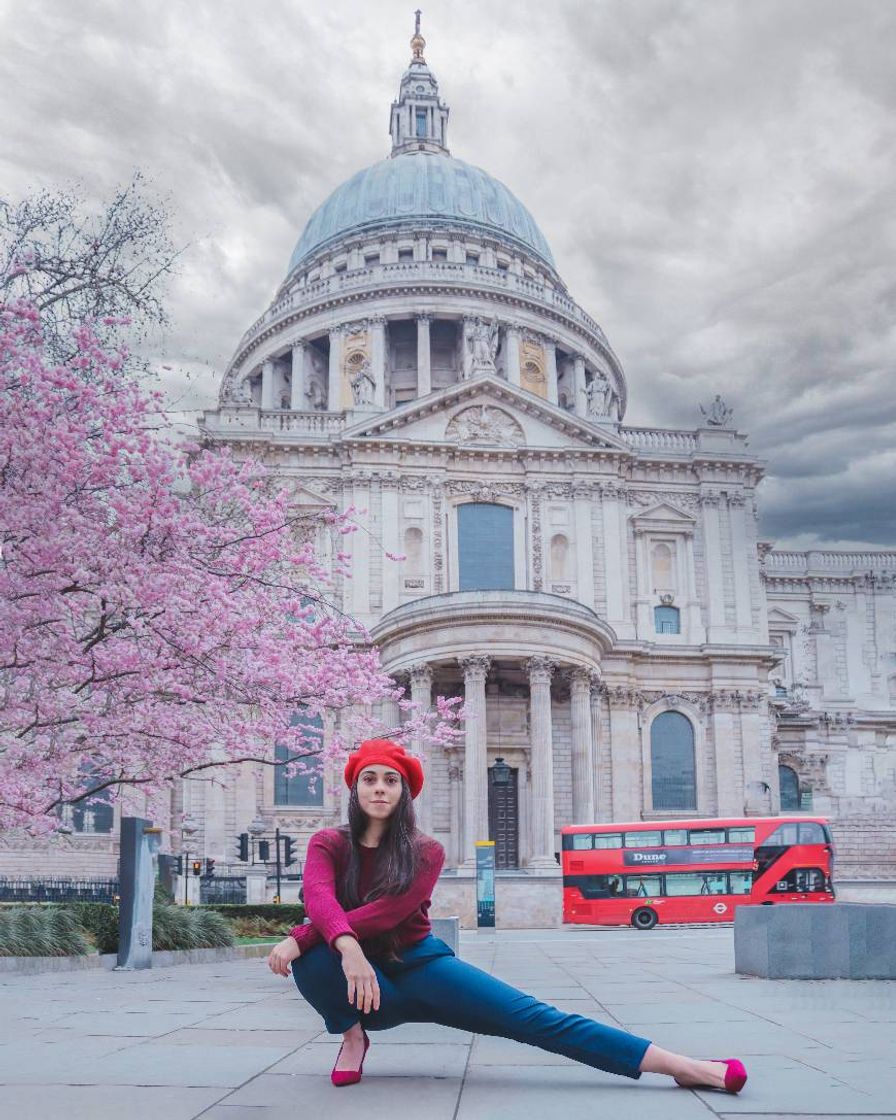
(662, 568)
(413, 550)
(94, 814)
(307, 787)
(789, 785)
(667, 620)
(485, 547)
(559, 557)
(672, 760)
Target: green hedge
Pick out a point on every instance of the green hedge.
(291, 912)
(77, 928)
(30, 931)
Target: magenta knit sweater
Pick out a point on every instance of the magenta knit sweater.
(406, 914)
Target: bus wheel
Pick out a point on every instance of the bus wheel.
(644, 918)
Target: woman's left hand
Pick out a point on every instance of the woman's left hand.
(282, 956)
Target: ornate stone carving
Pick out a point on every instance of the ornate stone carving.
(482, 339)
(718, 415)
(485, 424)
(475, 667)
(537, 557)
(438, 550)
(540, 669)
(485, 491)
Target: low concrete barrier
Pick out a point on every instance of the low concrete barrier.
(161, 958)
(448, 930)
(822, 941)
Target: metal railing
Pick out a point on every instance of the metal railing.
(223, 889)
(58, 890)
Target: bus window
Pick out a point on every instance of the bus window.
(581, 842)
(607, 840)
(615, 884)
(642, 886)
(709, 882)
(644, 839)
(796, 832)
(741, 835)
(707, 835)
(591, 886)
(674, 837)
(803, 880)
(741, 882)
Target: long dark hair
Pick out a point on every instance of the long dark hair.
(397, 859)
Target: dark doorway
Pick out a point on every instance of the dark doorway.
(503, 819)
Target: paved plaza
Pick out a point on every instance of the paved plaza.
(230, 1040)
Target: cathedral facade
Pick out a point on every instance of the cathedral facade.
(626, 646)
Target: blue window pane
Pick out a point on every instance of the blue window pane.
(667, 620)
(790, 788)
(307, 787)
(672, 757)
(421, 122)
(485, 547)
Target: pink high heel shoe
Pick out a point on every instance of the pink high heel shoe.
(341, 1077)
(735, 1075)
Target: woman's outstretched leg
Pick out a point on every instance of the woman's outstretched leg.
(457, 994)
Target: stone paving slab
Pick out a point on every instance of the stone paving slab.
(230, 1041)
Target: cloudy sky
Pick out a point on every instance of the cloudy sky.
(717, 179)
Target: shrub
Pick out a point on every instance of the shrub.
(30, 931)
(259, 927)
(178, 927)
(100, 920)
(289, 914)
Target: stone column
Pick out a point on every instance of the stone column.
(512, 354)
(602, 766)
(542, 756)
(717, 628)
(582, 748)
(580, 405)
(421, 695)
(297, 385)
(729, 776)
(392, 543)
(378, 359)
(390, 713)
(334, 389)
(626, 748)
(267, 384)
(424, 357)
(466, 355)
(584, 550)
(475, 761)
(550, 368)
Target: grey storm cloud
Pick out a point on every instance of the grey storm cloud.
(716, 180)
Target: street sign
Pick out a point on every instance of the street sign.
(485, 884)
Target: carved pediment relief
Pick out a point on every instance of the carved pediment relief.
(663, 518)
(484, 425)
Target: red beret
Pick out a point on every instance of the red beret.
(383, 752)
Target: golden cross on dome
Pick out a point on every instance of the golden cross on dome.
(417, 42)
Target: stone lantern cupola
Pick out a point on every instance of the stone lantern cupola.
(419, 118)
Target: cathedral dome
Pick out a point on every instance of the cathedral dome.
(422, 188)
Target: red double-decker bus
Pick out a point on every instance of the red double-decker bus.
(692, 870)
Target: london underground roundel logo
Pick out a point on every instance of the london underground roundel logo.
(720, 907)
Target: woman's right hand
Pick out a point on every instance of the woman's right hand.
(282, 956)
(363, 987)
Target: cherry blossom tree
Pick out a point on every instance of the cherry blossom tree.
(76, 262)
(164, 611)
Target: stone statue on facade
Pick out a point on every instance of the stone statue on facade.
(363, 385)
(317, 398)
(718, 415)
(483, 343)
(237, 392)
(485, 425)
(598, 394)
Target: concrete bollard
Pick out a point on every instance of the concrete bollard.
(447, 930)
(825, 941)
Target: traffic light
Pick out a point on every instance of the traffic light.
(209, 868)
(243, 841)
(264, 850)
(197, 866)
(179, 865)
(289, 851)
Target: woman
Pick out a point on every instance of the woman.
(368, 960)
